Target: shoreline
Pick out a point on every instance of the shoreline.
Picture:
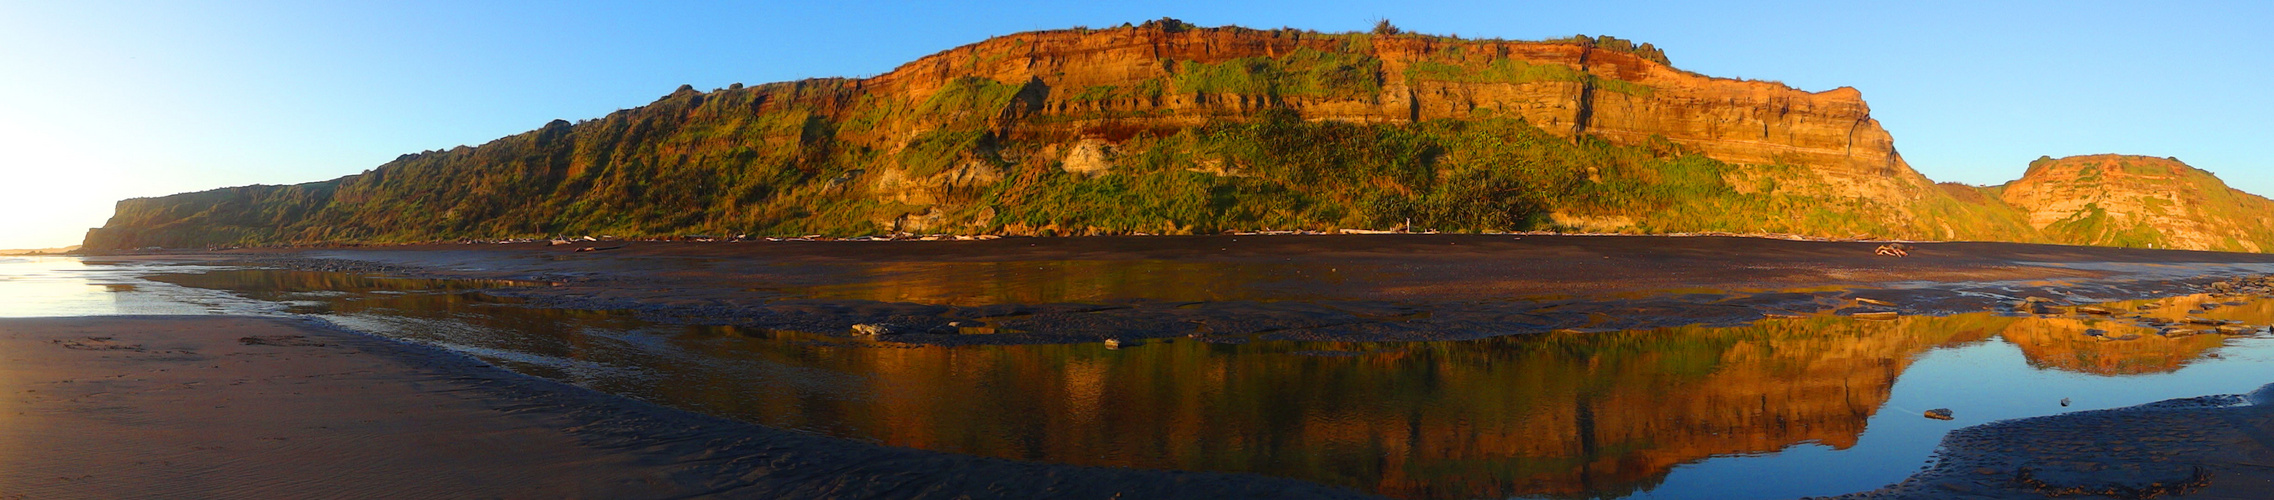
(301, 409)
(2213, 446)
(1238, 289)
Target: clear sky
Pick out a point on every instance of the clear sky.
(102, 100)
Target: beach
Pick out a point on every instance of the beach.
(1423, 365)
(232, 407)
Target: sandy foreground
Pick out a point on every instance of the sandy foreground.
(233, 407)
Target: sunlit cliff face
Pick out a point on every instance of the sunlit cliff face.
(2138, 201)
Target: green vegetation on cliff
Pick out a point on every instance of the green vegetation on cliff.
(2139, 201)
(689, 164)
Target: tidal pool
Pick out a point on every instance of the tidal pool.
(1778, 409)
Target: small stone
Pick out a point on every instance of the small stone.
(2064, 402)
(1939, 414)
(876, 329)
(2234, 330)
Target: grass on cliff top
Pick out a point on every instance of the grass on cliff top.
(1305, 72)
(1504, 70)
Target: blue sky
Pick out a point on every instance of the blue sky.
(107, 100)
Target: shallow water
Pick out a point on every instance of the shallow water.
(1782, 408)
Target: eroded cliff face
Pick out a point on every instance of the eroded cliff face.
(1161, 128)
(2139, 201)
(1109, 84)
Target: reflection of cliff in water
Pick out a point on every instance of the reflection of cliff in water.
(2117, 348)
(1566, 413)
(2120, 345)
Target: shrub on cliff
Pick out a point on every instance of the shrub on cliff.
(1383, 27)
(1168, 24)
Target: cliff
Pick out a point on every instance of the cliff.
(1159, 128)
(2139, 201)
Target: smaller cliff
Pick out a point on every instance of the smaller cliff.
(225, 216)
(2138, 201)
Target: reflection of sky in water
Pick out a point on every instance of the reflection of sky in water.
(1980, 383)
(1760, 411)
(66, 286)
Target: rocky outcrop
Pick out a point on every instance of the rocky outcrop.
(2139, 201)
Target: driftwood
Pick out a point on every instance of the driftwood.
(1893, 250)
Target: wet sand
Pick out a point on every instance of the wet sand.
(1422, 266)
(232, 407)
(1237, 288)
(2208, 447)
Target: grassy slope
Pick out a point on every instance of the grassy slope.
(2235, 220)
